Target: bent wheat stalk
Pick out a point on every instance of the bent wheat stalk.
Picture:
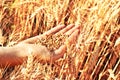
(17, 54)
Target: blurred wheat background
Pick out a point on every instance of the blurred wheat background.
(97, 56)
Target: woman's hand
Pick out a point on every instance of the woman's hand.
(17, 54)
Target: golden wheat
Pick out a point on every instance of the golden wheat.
(97, 54)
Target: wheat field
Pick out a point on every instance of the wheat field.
(97, 56)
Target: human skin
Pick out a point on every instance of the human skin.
(16, 55)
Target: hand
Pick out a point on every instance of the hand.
(41, 52)
(18, 53)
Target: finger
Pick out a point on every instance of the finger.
(50, 32)
(67, 28)
(54, 30)
(72, 30)
(32, 39)
(60, 52)
(73, 37)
